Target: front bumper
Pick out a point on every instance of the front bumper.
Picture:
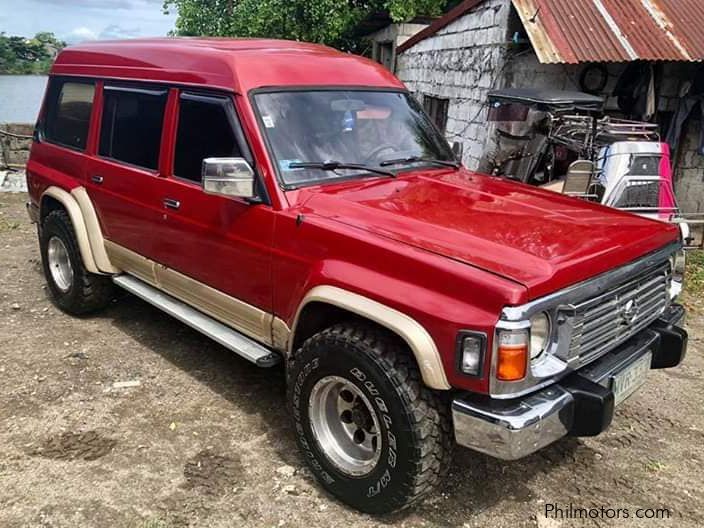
(581, 404)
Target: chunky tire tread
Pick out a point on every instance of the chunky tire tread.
(427, 411)
(89, 292)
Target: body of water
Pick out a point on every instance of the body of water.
(21, 97)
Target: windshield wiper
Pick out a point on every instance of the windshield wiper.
(415, 159)
(334, 165)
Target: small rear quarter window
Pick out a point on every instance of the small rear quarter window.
(68, 113)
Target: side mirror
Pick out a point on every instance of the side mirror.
(228, 177)
(458, 150)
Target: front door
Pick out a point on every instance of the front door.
(216, 250)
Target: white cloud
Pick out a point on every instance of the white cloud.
(65, 17)
(114, 31)
(80, 34)
(108, 4)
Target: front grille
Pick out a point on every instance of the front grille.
(602, 323)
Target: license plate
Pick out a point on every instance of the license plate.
(629, 379)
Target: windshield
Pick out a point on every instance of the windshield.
(350, 127)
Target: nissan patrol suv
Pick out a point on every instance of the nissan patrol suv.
(296, 205)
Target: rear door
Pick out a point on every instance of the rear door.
(222, 242)
(124, 175)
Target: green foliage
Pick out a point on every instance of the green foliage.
(20, 55)
(330, 22)
(694, 280)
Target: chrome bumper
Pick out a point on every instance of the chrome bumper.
(581, 404)
(513, 429)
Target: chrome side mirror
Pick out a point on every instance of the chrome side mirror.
(228, 177)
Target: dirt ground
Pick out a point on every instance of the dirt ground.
(205, 440)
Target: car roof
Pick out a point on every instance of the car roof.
(232, 64)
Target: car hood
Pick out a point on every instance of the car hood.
(540, 239)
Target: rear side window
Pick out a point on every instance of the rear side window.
(205, 130)
(131, 126)
(68, 113)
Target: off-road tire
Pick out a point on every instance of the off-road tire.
(88, 292)
(412, 417)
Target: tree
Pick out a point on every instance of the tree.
(20, 55)
(329, 22)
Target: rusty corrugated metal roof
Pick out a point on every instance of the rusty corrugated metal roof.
(574, 31)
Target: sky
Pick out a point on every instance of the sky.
(79, 20)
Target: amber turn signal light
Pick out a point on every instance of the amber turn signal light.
(511, 365)
(512, 355)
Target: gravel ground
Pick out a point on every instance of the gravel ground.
(204, 439)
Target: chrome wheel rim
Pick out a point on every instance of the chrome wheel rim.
(59, 264)
(345, 425)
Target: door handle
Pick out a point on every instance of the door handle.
(171, 203)
(96, 178)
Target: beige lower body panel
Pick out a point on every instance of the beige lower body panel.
(129, 261)
(243, 317)
(272, 331)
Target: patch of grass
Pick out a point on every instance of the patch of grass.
(654, 466)
(694, 279)
(154, 523)
(6, 225)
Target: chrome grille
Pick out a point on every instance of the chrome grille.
(601, 323)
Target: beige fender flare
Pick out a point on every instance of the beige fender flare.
(418, 339)
(85, 224)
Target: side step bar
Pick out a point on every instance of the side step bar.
(226, 336)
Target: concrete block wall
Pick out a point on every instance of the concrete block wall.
(397, 33)
(15, 142)
(689, 174)
(461, 62)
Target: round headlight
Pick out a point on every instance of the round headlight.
(539, 334)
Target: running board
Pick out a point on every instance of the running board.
(215, 330)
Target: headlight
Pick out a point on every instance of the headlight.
(539, 334)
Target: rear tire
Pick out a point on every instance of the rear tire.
(73, 289)
(357, 384)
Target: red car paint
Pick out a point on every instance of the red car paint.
(449, 248)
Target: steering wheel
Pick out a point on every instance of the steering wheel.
(381, 148)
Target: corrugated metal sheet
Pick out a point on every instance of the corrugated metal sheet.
(574, 31)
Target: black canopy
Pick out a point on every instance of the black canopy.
(548, 100)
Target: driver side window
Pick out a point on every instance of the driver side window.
(205, 130)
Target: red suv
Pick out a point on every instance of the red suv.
(295, 204)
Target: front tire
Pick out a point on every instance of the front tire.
(371, 432)
(73, 289)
